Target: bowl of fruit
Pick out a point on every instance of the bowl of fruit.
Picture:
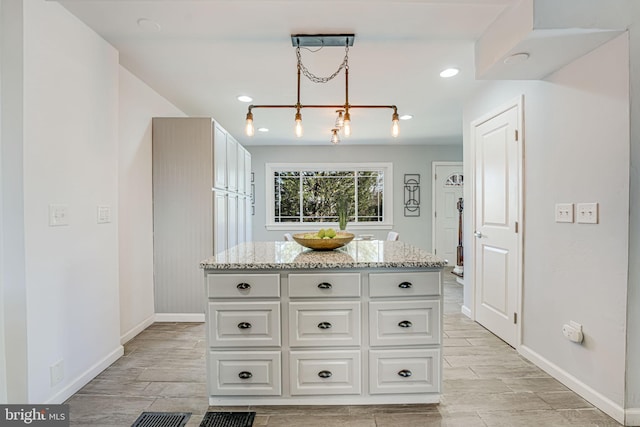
(324, 239)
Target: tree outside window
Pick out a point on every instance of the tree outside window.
(312, 195)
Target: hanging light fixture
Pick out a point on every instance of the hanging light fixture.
(343, 121)
(340, 119)
(335, 138)
(395, 125)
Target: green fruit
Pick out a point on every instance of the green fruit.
(321, 233)
(330, 233)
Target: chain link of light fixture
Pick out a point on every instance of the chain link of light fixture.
(308, 74)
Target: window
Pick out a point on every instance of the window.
(299, 195)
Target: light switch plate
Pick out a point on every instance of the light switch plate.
(58, 215)
(104, 214)
(587, 213)
(564, 212)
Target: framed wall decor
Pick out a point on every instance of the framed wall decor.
(411, 194)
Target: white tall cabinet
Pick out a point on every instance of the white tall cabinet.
(201, 188)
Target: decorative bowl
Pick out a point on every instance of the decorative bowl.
(341, 239)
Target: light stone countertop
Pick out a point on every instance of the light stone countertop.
(291, 255)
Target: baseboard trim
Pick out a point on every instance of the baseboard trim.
(632, 417)
(596, 398)
(131, 334)
(85, 377)
(180, 317)
(466, 311)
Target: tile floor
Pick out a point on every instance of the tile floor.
(486, 383)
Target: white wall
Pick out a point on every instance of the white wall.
(633, 297)
(576, 150)
(12, 285)
(138, 105)
(71, 158)
(406, 159)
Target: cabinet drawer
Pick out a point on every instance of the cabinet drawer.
(243, 285)
(246, 373)
(324, 285)
(325, 372)
(245, 324)
(404, 284)
(404, 322)
(324, 323)
(404, 371)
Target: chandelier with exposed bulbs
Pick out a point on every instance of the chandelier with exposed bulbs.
(343, 120)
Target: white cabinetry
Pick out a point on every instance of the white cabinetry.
(323, 337)
(195, 206)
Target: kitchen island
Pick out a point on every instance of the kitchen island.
(358, 325)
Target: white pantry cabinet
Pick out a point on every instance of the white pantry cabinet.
(196, 205)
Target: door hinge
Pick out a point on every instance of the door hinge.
(435, 176)
(435, 214)
(516, 226)
(515, 318)
(516, 132)
(435, 251)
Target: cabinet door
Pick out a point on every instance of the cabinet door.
(249, 373)
(232, 164)
(393, 323)
(244, 324)
(241, 220)
(219, 157)
(242, 182)
(404, 371)
(328, 323)
(219, 221)
(247, 172)
(325, 372)
(248, 219)
(232, 220)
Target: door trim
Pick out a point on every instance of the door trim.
(433, 196)
(517, 102)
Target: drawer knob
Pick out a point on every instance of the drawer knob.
(405, 285)
(243, 286)
(244, 325)
(405, 373)
(405, 324)
(325, 374)
(245, 375)
(324, 325)
(324, 285)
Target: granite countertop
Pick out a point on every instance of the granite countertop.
(291, 255)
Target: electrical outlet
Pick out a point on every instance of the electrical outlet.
(56, 372)
(587, 213)
(564, 212)
(573, 331)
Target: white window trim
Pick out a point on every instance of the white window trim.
(270, 168)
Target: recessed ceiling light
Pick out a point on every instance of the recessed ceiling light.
(148, 25)
(263, 130)
(449, 72)
(244, 98)
(516, 58)
(406, 117)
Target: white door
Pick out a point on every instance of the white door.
(447, 179)
(497, 251)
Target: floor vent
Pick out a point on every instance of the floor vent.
(228, 419)
(162, 419)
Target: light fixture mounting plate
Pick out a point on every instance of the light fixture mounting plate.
(322, 40)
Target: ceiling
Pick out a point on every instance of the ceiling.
(203, 54)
